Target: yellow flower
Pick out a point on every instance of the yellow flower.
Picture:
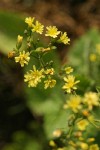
(52, 143)
(68, 70)
(91, 140)
(94, 147)
(70, 83)
(82, 124)
(84, 146)
(49, 71)
(91, 99)
(93, 57)
(61, 148)
(23, 58)
(11, 54)
(19, 39)
(49, 83)
(52, 31)
(33, 77)
(74, 103)
(57, 133)
(38, 27)
(29, 21)
(46, 49)
(64, 38)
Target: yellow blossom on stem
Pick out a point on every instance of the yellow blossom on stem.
(64, 38)
(33, 77)
(94, 147)
(29, 21)
(46, 49)
(82, 124)
(23, 58)
(52, 31)
(85, 112)
(37, 27)
(49, 83)
(52, 143)
(70, 83)
(57, 133)
(19, 39)
(91, 140)
(84, 146)
(68, 70)
(91, 99)
(74, 103)
(50, 71)
(93, 57)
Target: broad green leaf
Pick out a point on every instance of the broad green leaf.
(11, 24)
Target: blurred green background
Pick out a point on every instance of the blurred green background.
(28, 116)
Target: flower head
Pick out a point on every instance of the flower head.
(49, 83)
(19, 39)
(11, 54)
(68, 70)
(57, 133)
(93, 57)
(84, 146)
(29, 21)
(74, 103)
(52, 31)
(49, 71)
(23, 58)
(91, 99)
(64, 38)
(34, 77)
(38, 27)
(82, 124)
(94, 147)
(70, 83)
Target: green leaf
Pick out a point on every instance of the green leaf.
(11, 24)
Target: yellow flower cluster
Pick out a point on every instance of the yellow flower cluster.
(51, 31)
(81, 108)
(34, 48)
(33, 77)
(75, 145)
(75, 102)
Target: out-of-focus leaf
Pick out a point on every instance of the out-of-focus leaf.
(79, 58)
(22, 140)
(79, 52)
(55, 120)
(11, 24)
